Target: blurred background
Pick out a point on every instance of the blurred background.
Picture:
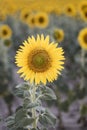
(66, 23)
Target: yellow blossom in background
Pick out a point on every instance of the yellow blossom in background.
(83, 14)
(42, 20)
(15, 6)
(82, 38)
(31, 20)
(83, 5)
(58, 35)
(24, 15)
(70, 10)
(5, 32)
(39, 60)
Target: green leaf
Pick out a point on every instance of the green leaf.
(48, 93)
(51, 117)
(83, 110)
(64, 106)
(10, 121)
(25, 122)
(71, 96)
(20, 114)
(22, 119)
(80, 93)
(28, 104)
(47, 119)
(34, 129)
(44, 129)
(22, 90)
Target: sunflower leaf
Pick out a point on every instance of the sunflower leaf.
(20, 114)
(25, 122)
(48, 94)
(22, 90)
(10, 121)
(47, 119)
(28, 104)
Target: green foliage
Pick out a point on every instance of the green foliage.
(47, 119)
(83, 110)
(21, 90)
(64, 106)
(24, 115)
(47, 93)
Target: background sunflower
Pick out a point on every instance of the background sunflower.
(70, 10)
(42, 20)
(5, 32)
(82, 38)
(58, 35)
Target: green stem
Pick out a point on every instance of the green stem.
(59, 110)
(33, 109)
(82, 65)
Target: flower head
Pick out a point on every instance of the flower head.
(70, 10)
(24, 15)
(82, 38)
(58, 35)
(84, 14)
(42, 20)
(5, 32)
(82, 5)
(39, 60)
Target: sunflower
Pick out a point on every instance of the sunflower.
(82, 38)
(82, 5)
(84, 14)
(70, 10)
(31, 20)
(58, 35)
(39, 60)
(24, 15)
(5, 32)
(42, 19)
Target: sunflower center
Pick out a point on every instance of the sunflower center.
(84, 7)
(5, 32)
(39, 61)
(57, 35)
(26, 16)
(85, 38)
(69, 9)
(85, 14)
(41, 19)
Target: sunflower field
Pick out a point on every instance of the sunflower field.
(43, 60)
